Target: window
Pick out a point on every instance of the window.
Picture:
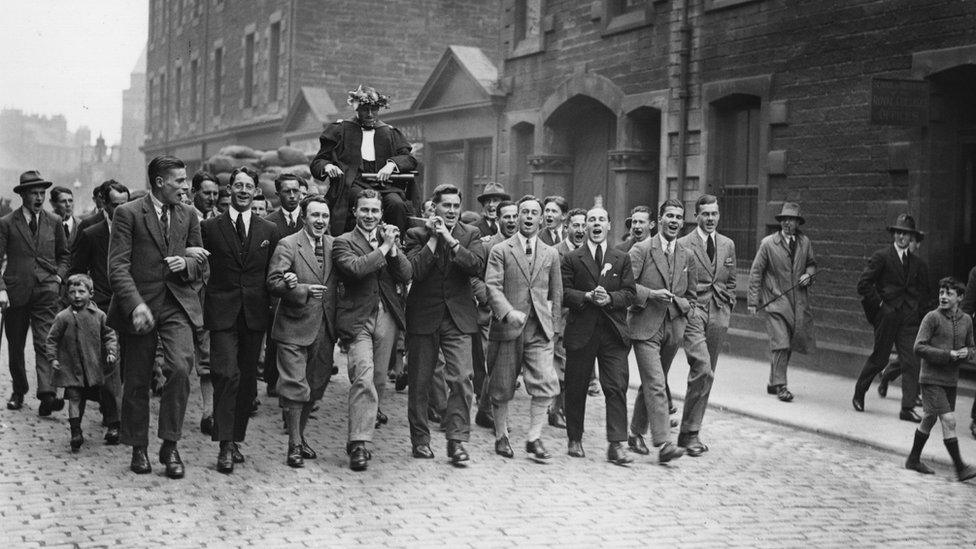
(479, 167)
(163, 111)
(178, 98)
(624, 15)
(249, 70)
(194, 68)
(526, 27)
(523, 138)
(218, 88)
(736, 169)
(274, 50)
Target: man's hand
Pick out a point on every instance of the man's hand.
(176, 263)
(440, 228)
(111, 359)
(197, 253)
(959, 354)
(317, 291)
(389, 235)
(332, 170)
(55, 364)
(385, 173)
(142, 318)
(4, 300)
(662, 295)
(516, 317)
(805, 280)
(600, 296)
(290, 280)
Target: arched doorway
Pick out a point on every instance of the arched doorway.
(585, 130)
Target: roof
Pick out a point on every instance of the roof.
(472, 63)
(318, 102)
(140, 67)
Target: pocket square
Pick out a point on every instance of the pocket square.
(265, 243)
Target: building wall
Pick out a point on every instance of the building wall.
(132, 159)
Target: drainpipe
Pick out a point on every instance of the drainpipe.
(684, 52)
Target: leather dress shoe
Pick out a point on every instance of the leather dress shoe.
(307, 451)
(484, 419)
(575, 449)
(674, 423)
(772, 389)
(433, 416)
(170, 457)
(401, 382)
(49, 404)
(381, 418)
(672, 409)
(858, 402)
(140, 461)
(669, 451)
(883, 386)
(422, 451)
(617, 455)
(77, 439)
(503, 447)
(236, 454)
(784, 394)
(919, 466)
(557, 419)
(359, 457)
(966, 473)
(255, 404)
(457, 453)
(206, 425)
(225, 458)
(15, 402)
(692, 445)
(637, 445)
(909, 414)
(112, 436)
(295, 458)
(537, 450)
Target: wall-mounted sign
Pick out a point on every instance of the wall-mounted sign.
(899, 102)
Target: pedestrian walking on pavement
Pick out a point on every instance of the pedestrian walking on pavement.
(779, 286)
(945, 340)
(893, 288)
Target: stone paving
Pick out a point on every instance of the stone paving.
(760, 485)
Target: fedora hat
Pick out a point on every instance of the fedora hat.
(31, 179)
(493, 190)
(791, 209)
(906, 224)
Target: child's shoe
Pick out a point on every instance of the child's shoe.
(966, 473)
(77, 439)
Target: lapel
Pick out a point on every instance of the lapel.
(537, 264)
(152, 224)
(21, 224)
(590, 263)
(230, 235)
(702, 253)
(661, 262)
(897, 266)
(523, 262)
(679, 265)
(360, 241)
(307, 252)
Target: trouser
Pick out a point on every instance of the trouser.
(270, 366)
(778, 363)
(897, 328)
(234, 372)
(654, 356)
(605, 346)
(479, 362)
(304, 371)
(38, 315)
(369, 356)
(422, 350)
(174, 330)
(701, 368)
(110, 391)
(201, 351)
(95, 393)
(529, 354)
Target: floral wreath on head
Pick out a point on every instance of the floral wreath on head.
(367, 95)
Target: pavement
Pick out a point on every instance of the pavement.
(763, 483)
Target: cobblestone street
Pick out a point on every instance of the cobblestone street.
(760, 485)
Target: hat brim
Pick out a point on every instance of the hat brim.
(899, 228)
(24, 186)
(796, 217)
(503, 196)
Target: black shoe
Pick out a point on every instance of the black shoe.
(909, 414)
(225, 458)
(307, 451)
(359, 457)
(692, 445)
(557, 419)
(112, 436)
(206, 425)
(617, 455)
(858, 403)
(966, 473)
(784, 394)
(77, 439)
(140, 461)
(422, 451)
(236, 453)
(484, 419)
(170, 457)
(434, 416)
(669, 451)
(381, 418)
(883, 386)
(58, 405)
(16, 402)
(46, 406)
(537, 450)
(919, 466)
(295, 458)
(503, 448)
(457, 453)
(674, 423)
(255, 404)
(672, 409)
(401, 382)
(772, 389)
(575, 449)
(636, 445)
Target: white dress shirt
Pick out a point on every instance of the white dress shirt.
(247, 219)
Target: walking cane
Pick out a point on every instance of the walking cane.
(788, 290)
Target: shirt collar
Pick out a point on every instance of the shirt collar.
(157, 204)
(28, 214)
(592, 246)
(234, 213)
(526, 242)
(311, 238)
(367, 235)
(786, 237)
(900, 251)
(665, 242)
(703, 235)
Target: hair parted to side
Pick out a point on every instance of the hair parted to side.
(528, 198)
(704, 200)
(57, 191)
(243, 170)
(313, 198)
(559, 200)
(280, 180)
(161, 166)
(670, 203)
(199, 178)
(441, 190)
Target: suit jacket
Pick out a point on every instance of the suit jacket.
(713, 280)
(580, 275)
(442, 282)
(71, 238)
(278, 218)
(516, 281)
(237, 276)
(33, 261)
(90, 221)
(478, 282)
(484, 228)
(547, 238)
(885, 287)
(90, 256)
(562, 249)
(299, 317)
(365, 277)
(136, 270)
(651, 272)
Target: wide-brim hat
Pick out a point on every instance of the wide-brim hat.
(31, 179)
(791, 209)
(906, 223)
(493, 190)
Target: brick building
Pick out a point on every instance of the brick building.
(222, 72)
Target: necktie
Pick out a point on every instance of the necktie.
(711, 248)
(598, 256)
(373, 242)
(241, 234)
(67, 230)
(792, 247)
(33, 223)
(319, 252)
(492, 229)
(905, 262)
(164, 222)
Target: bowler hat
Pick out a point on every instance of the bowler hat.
(791, 209)
(493, 190)
(31, 179)
(906, 224)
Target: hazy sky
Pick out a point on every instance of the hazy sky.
(71, 57)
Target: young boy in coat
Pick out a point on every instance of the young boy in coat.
(78, 345)
(945, 339)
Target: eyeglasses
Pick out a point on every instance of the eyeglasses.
(237, 186)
